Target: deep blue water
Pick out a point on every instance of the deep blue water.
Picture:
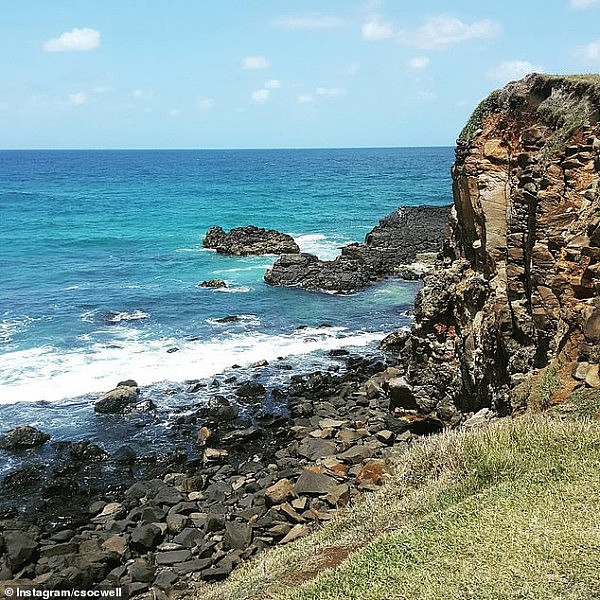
(84, 234)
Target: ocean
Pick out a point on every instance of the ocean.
(101, 258)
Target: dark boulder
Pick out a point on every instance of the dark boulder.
(244, 241)
(141, 570)
(251, 389)
(23, 436)
(237, 535)
(214, 284)
(86, 452)
(125, 455)
(119, 400)
(312, 483)
(145, 537)
(19, 548)
(23, 478)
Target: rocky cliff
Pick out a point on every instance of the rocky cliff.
(517, 286)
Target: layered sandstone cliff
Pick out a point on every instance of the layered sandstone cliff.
(519, 284)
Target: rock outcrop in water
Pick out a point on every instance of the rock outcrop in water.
(249, 240)
(215, 284)
(396, 242)
(519, 285)
(123, 399)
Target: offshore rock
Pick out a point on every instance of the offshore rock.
(244, 241)
(214, 284)
(399, 240)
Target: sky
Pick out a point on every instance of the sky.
(272, 73)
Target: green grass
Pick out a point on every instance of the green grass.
(509, 512)
(541, 387)
(587, 78)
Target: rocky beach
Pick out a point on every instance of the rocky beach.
(252, 467)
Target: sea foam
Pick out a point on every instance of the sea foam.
(326, 248)
(48, 374)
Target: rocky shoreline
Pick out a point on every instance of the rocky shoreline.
(258, 466)
(514, 294)
(257, 478)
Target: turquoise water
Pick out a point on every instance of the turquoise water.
(89, 237)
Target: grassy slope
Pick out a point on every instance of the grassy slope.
(508, 512)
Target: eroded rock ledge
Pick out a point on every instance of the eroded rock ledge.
(518, 287)
(249, 240)
(398, 240)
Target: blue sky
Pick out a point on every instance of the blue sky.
(272, 73)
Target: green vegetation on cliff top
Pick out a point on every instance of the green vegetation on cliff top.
(507, 512)
(570, 101)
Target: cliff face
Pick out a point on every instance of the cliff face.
(520, 279)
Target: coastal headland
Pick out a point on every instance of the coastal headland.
(508, 319)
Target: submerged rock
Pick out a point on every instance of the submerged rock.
(229, 319)
(244, 241)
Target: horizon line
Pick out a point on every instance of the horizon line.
(230, 149)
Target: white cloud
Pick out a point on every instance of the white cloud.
(418, 62)
(425, 96)
(78, 98)
(273, 84)
(322, 92)
(76, 40)
(376, 29)
(101, 89)
(206, 103)
(353, 69)
(371, 6)
(583, 3)
(590, 52)
(313, 21)
(138, 94)
(509, 70)
(443, 30)
(260, 95)
(329, 92)
(254, 63)
(174, 112)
